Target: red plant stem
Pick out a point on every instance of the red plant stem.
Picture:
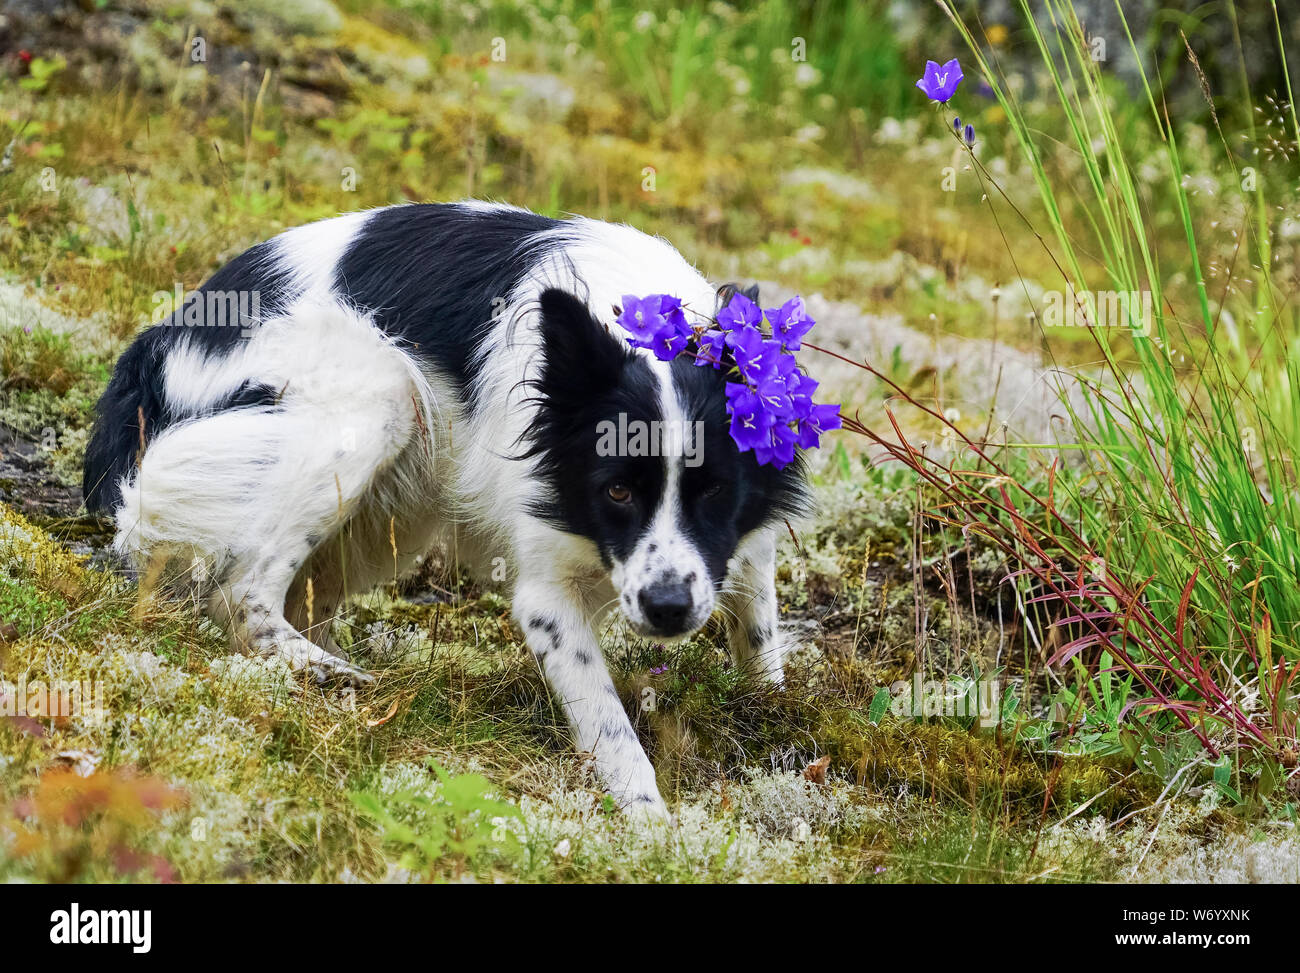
(1169, 651)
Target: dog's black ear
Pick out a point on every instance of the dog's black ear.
(581, 357)
(726, 290)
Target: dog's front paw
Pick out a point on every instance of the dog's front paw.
(634, 789)
(647, 809)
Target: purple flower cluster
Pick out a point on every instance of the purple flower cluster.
(770, 398)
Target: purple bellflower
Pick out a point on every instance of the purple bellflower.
(790, 322)
(939, 83)
(641, 319)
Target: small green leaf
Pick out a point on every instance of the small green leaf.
(879, 706)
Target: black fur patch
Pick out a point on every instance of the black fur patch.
(730, 493)
(588, 377)
(434, 275)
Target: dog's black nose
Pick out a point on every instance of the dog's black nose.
(667, 606)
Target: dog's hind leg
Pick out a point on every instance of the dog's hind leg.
(252, 608)
(314, 598)
(259, 490)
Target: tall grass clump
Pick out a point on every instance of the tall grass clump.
(1166, 545)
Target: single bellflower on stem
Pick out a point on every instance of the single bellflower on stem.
(940, 83)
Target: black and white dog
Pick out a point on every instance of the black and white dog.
(427, 373)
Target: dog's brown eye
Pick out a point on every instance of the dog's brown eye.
(619, 493)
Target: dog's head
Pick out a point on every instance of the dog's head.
(638, 458)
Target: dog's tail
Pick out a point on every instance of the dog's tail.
(129, 413)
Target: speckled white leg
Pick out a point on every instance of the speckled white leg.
(562, 639)
(253, 607)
